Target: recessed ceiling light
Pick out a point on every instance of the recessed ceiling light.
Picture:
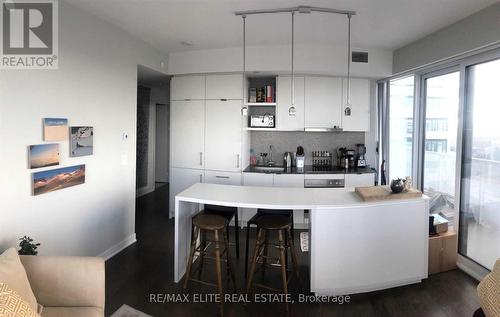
(186, 43)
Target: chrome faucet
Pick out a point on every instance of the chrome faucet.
(270, 162)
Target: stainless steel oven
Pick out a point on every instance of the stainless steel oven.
(324, 181)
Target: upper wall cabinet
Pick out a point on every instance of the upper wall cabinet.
(187, 88)
(323, 99)
(359, 120)
(284, 121)
(224, 87)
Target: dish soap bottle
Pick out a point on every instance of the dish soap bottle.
(253, 158)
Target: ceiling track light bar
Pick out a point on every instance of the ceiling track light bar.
(299, 9)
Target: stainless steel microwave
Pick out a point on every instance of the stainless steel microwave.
(261, 121)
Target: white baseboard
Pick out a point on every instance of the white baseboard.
(109, 253)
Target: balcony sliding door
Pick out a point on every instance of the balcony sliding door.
(440, 122)
(400, 118)
(479, 234)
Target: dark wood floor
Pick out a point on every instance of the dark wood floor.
(147, 268)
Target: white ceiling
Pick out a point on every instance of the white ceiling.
(383, 24)
(148, 77)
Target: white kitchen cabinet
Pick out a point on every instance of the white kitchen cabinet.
(187, 131)
(224, 178)
(224, 87)
(258, 179)
(223, 135)
(359, 120)
(180, 180)
(359, 180)
(187, 88)
(297, 181)
(289, 180)
(323, 102)
(284, 121)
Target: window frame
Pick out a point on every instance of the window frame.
(458, 63)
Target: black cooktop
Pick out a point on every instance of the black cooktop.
(310, 169)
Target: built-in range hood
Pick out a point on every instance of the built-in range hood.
(334, 129)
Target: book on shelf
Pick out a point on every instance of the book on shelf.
(269, 94)
(261, 95)
(252, 95)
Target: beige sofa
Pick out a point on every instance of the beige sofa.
(67, 286)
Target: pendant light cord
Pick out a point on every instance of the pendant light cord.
(244, 108)
(292, 88)
(349, 60)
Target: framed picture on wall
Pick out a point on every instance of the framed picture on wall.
(43, 155)
(81, 141)
(55, 129)
(52, 180)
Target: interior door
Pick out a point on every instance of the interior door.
(187, 129)
(223, 135)
(439, 149)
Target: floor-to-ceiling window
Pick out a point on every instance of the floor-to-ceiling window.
(480, 185)
(440, 120)
(440, 125)
(401, 123)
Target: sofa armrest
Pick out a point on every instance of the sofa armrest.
(66, 281)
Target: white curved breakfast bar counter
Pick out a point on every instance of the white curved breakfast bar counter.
(354, 246)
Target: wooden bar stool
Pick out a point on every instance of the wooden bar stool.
(253, 222)
(229, 213)
(282, 226)
(201, 225)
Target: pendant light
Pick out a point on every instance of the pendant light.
(244, 109)
(347, 109)
(292, 111)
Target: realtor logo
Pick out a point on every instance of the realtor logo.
(29, 34)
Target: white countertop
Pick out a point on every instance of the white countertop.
(275, 197)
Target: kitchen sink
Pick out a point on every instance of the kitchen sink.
(269, 169)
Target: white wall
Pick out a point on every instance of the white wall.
(313, 59)
(95, 85)
(476, 31)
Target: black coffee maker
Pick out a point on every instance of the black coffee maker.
(361, 160)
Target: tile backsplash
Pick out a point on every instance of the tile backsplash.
(285, 141)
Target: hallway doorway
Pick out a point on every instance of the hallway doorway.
(152, 146)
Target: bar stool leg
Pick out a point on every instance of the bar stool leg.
(286, 251)
(237, 234)
(254, 259)
(229, 269)
(266, 252)
(203, 245)
(247, 247)
(282, 263)
(292, 252)
(218, 269)
(194, 238)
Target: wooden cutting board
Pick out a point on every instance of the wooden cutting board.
(376, 193)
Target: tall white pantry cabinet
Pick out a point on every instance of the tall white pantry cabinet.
(205, 131)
